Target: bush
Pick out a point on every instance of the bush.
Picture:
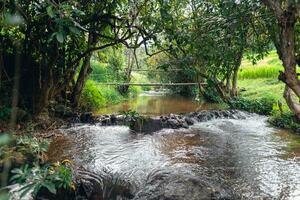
(211, 94)
(50, 177)
(91, 97)
(134, 91)
(26, 155)
(263, 106)
(4, 113)
(284, 120)
(95, 96)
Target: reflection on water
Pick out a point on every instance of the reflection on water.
(292, 149)
(159, 104)
(246, 156)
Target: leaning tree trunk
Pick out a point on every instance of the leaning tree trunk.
(288, 56)
(290, 102)
(238, 62)
(287, 16)
(228, 84)
(83, 74)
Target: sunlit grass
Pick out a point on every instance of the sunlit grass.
(268, 67)
(260, 72)
(260, 80)
(261, 87)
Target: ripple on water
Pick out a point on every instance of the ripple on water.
(247, 157)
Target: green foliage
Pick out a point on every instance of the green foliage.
(23, 150)
(33, 146)
(260, 72)
(91, 97)
(5, 139)
(134, 118)
(4, 113)
(4, 196)
(210, 93)
(130, 114)
(263, 106)
(95, 96)
(285, 120)
(135, 90)
(51, 177)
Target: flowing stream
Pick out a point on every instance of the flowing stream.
(217, 159)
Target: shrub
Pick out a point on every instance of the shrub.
(211, 94)
(50, 177)
(95, 96)
(91, 96)
(263, 106)
(4, 113)
(134, 91)
(285, 120)
(24, 149)
(111, 95)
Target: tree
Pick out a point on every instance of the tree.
(285, 35)
(208, 39)
(57, 39)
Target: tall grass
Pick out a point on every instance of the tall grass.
(260, 72)
(268, 67)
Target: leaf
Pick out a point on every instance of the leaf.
(60, 37)
(4, 139)
(50, 187)
(26, 189)
(50, 11)
(4, 196)
(74, 30)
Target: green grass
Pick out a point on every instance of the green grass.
(266, 68)
(260, 72)
(96, 96)
(261, 87)
(260, 80)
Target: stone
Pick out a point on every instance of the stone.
(87, 117)
(189, 120)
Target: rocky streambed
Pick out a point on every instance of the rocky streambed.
(149, 124)
(217, 154)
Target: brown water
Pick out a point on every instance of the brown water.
(155, 103)
(243, 157)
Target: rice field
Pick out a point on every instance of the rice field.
(260, 80)
(266, 68)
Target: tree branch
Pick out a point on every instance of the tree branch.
(274, 5)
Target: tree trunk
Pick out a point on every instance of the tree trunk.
(83, 74)
(287, 94)
(82, 78)
(1, 68)
(123, 89)
(288, 56)
(228, 84)
(220, 87)
(238, 62)
(286, 16)
(16, 88)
